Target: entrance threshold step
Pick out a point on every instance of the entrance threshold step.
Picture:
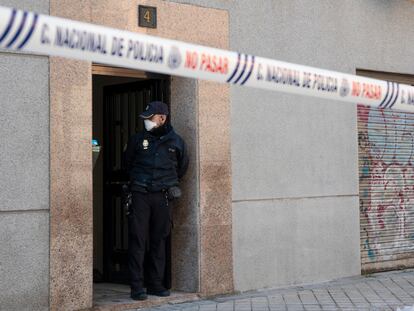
(115, 297)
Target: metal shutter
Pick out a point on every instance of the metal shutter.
(386, 188)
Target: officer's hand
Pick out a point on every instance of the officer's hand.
(174, 193)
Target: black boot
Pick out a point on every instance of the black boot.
(139, 295)
(161, 293)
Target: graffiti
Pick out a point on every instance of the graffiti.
(386, 172)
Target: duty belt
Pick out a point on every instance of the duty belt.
(145, 189)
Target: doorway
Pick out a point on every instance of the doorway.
(119, 96)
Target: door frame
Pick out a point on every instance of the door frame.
(205, 235)
(105, 70)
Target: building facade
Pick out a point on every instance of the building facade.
(277, 191)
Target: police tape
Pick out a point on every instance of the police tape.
(53, 36)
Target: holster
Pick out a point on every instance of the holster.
(126, 198)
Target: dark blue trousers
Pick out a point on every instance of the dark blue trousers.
(149, 228)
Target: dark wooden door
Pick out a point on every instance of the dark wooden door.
(122, 103)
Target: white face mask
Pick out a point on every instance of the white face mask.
(149, 125)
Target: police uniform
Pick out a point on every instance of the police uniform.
(156, 161)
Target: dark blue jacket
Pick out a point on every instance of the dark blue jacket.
(156, 162)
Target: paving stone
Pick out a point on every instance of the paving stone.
(260, 304)
(276, 299)
(225, 306)
(207, 308)
(243, 303)
(307, 297)
(312, 307)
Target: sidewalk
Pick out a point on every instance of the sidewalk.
(382, 291)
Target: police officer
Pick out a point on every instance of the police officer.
(156, 160)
